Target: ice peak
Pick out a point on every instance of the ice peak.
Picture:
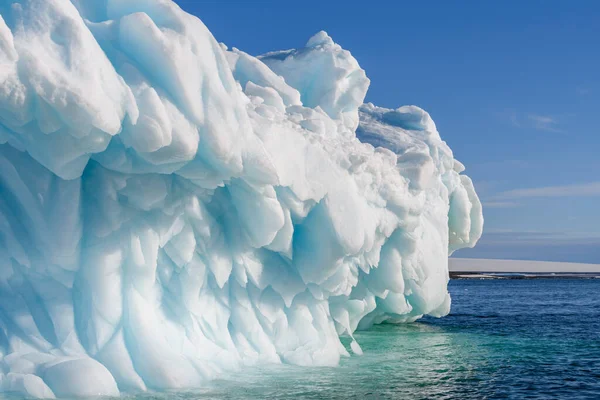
(338, 86)
(320, 39)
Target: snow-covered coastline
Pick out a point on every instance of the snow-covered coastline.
(474, 265)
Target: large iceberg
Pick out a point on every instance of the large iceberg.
(171, 208)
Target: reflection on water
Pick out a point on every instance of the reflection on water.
(503, 339)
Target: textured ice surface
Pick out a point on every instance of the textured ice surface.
(170, 209)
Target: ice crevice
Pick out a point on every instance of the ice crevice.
(171, 209)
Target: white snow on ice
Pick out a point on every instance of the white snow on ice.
(170, 208)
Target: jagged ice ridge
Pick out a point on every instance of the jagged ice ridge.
(171, 209)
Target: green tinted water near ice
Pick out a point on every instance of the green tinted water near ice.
(503, 339)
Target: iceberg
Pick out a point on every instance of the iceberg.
(171, 209)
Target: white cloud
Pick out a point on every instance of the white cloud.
(539, 122)
(514, 119)
(510, 116)
(583, 90)
(590, 189)
(509, 236)
(499, 204)
(544, 123)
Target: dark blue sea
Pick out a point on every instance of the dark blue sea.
(515, 339)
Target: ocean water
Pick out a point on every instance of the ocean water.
(503, 339)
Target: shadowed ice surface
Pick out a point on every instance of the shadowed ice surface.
(503, 339)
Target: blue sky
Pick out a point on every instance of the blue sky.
(514, 88)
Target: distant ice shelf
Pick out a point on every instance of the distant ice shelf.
(171, 209)
(520, 266)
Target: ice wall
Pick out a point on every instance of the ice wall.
(170, 209)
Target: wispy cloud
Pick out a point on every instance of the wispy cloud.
(583, 90)
(542, 235)
(539, 122)
(509, 236)
(500, 204)
(508, 116)
(537, 245)
(544, 122)
(514, 119)
(590, 189)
